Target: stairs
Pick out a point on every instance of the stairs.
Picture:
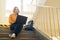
(24, 35)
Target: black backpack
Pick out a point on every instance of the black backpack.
(29, 26)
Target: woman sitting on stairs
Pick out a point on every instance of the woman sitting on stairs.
(14, 27)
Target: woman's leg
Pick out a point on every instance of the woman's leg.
(11, 32)
(12, 27)
(18, 29)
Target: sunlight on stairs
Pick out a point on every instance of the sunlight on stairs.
(55, 38)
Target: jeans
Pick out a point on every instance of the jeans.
(16, 28)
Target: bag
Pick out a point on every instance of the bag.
(29, 26)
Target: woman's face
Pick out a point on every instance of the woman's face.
(16, 10)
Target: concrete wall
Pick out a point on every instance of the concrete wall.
(47, 20)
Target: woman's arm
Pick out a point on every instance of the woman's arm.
(12, 19)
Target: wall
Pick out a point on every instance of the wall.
(3, 19)
(55, 3)
(47, 20)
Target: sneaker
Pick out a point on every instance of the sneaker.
(13, 35)
(9, 35)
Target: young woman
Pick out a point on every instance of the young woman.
(14, 27)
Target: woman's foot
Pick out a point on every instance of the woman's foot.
(9, 35)
(12, 35)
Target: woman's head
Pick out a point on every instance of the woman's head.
(16, 10)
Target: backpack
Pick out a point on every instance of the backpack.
(29, 26)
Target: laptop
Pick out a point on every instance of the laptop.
(21, 19)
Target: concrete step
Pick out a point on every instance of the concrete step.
(24, 35)
(19, 39)
(5, 30)
(2, 35)
(20, 35)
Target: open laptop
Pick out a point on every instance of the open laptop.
(21, 19)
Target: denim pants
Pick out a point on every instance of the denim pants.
(16, 28)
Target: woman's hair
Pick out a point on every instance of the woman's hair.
(15, 9)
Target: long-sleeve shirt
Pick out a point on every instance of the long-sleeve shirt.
(12, 18)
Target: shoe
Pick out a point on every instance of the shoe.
(9, 35)
(13, 35)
